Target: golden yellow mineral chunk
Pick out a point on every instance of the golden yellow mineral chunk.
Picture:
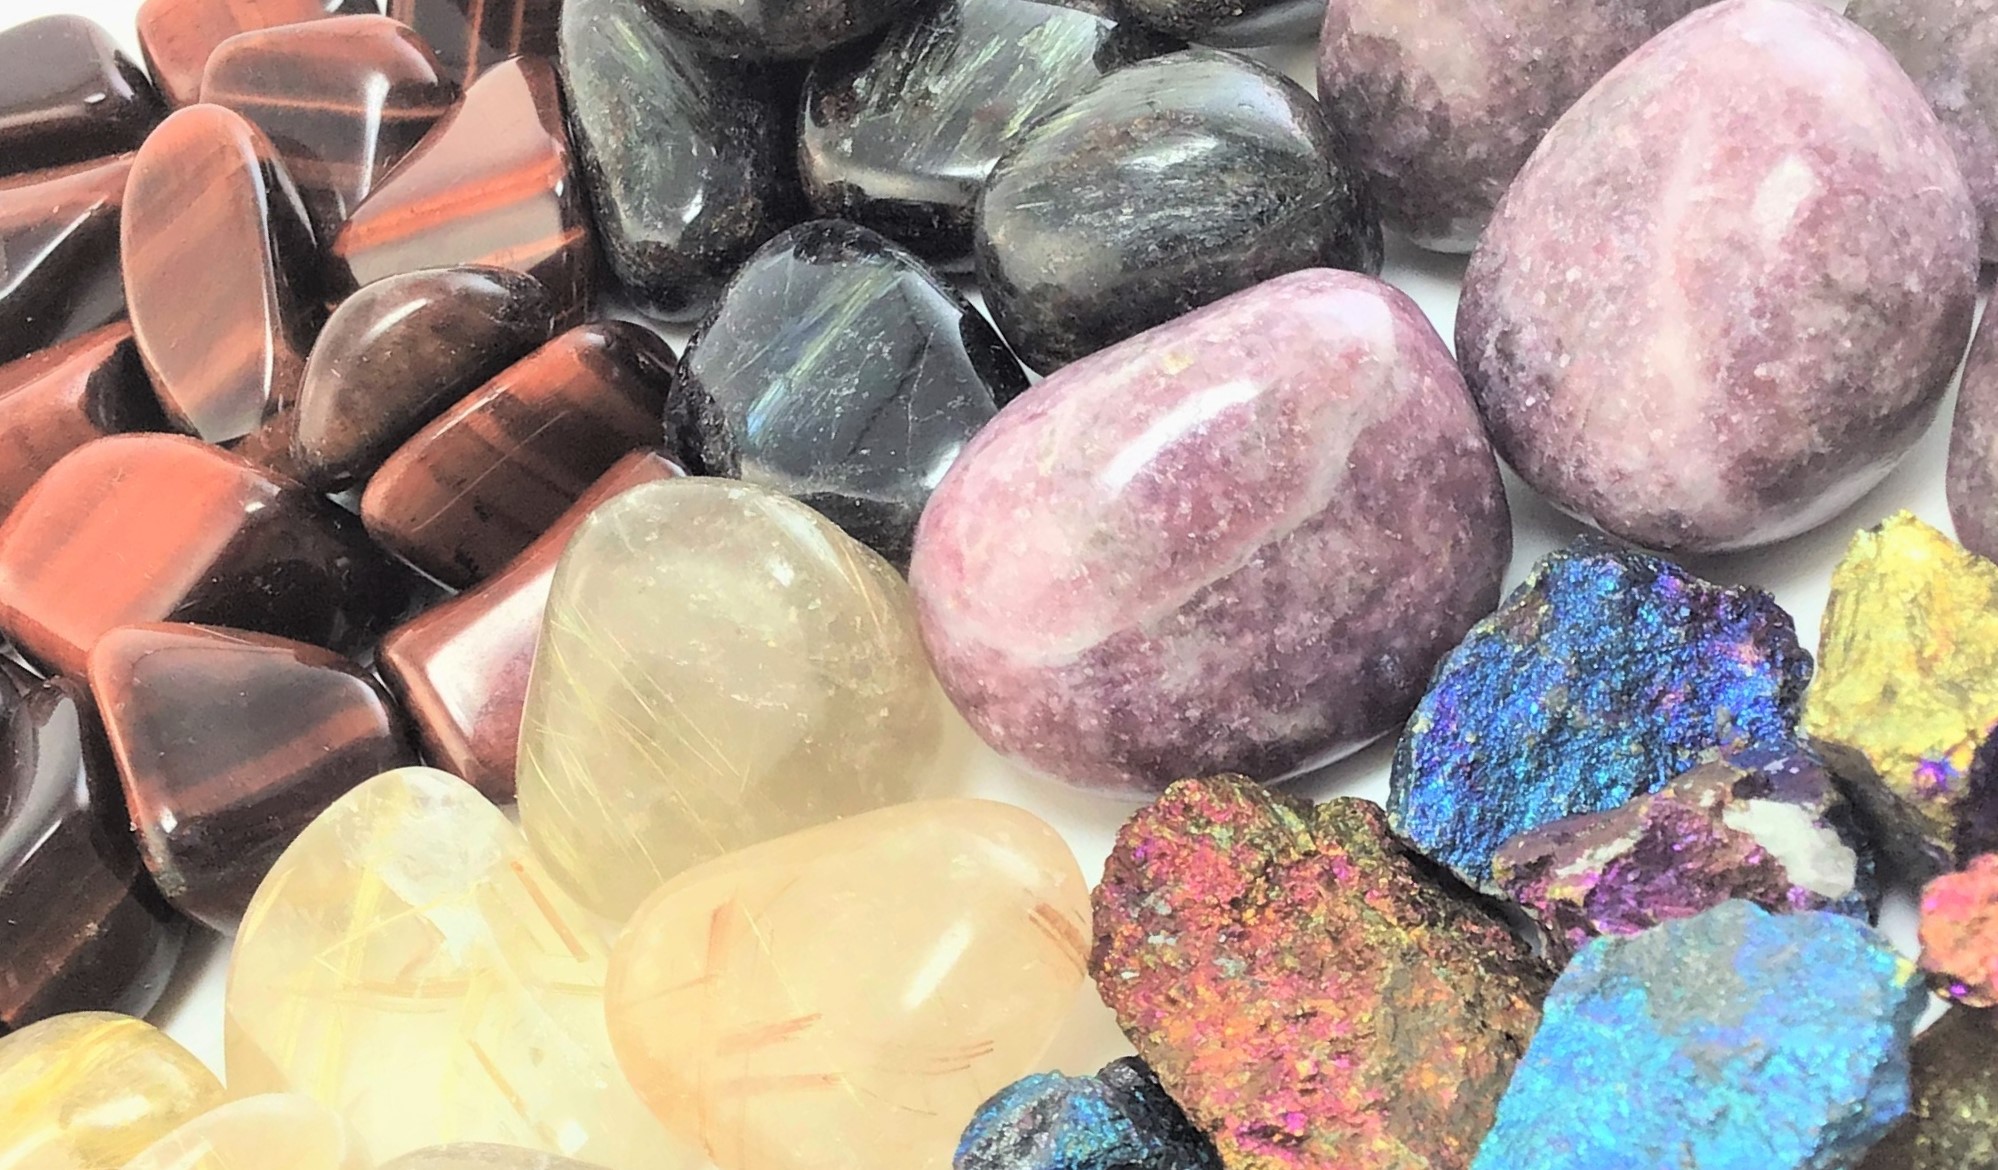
(409, 965)
(844, 998)
(88, 1091)
(719, 665)
(274, 1131)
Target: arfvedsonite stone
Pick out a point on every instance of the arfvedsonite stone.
(270, 1130)
(785, 30)
(1111, 578)
(642, 750)
(1727, 293)
(90, 1090)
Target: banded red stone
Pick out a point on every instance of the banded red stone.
(59, 269)
(471, 36)
(178, 36)
(57, 400)
(67, 95)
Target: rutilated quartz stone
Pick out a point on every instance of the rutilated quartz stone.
(89, 1091)
(273, 1131)
(483, 1156)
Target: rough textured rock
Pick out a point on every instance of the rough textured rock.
(1288, 969)
(1727, 293)
(1604, 675)
(1954, 1122)
(1972, 483)
(1119, 1119)
(1109, 577)
(68, 95)
(88, 1090)
(1959, 932)
(1732, 1040)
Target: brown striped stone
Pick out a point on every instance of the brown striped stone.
(67, 95)
(59, 270)
(178, 36)
(471, 36)
(57, 400)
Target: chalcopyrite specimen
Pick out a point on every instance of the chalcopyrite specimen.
(272, 1130)
(1954, 1122)
(1734, 1040)
(1202, 550)
(1304, 986)
(1119, 1119)
(1972, 483)
(1960, 932)
(1764, 825)
(1605, 674)
(1726, 294)
(1907, 692)
(88, 1091)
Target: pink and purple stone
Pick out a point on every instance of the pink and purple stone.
(1959, 932)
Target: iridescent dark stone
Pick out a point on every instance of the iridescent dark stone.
(1233, 23)
(1119, 1118)
(60, 274)
(68, 95)
(471, 36)
(178, 36)
(785, 30)
(57, 400)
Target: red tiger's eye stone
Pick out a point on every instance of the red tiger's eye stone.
(178, 36)
(59, 269)
(471, 36)
(57, 400)
(68, 95)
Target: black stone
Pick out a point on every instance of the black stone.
(688, 158)
(1119, 1119)
(1232, 23)
(778, 30)
(67, 95)
(1163, 187)
(899, 135)
(838, 369)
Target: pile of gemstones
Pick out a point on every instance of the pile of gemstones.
(570, 729)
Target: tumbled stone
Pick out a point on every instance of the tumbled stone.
(1972, 479)
(178, 36)
(1765, 825)
(1734, 1039)
(141, 528)
(57, 400)
(1287, 968)
(838, 369)
(81, 926)
(401, 351)
(1695, 324)
(217, 247)
(1233, 23)
(1162, 187)
(229, 744)
(89, 1090)
(60, 275)
(1959, 932)
(689, 157)
(494, 182)
(268, 1131)
(477, 485)
(460, 668)
(1109, 577)
(342, 100)
(471, 36)
(900, 135)
(1906, 696)
(790, 30)
(750, 1022)
(482, 1156)
(1953, 1124)
(1119, 1119)
(68, 95)
(408, 963)
(642, 750)
(1605, 674)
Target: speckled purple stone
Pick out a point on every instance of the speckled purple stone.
(1725, 296)
(1972, 485)
(1236, 543)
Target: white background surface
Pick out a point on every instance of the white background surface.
(1798, 572)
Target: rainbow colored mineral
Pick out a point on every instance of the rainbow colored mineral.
(1119, 1119)
(1960, 933)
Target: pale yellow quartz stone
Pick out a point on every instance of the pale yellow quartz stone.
(274, 1131)
(719, 665)
(844, 998)
(409, 965)
(88, 1091)
(483, 1156)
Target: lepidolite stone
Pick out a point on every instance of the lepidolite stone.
(1304, 986)
(89, 1090)
(471, 36)
(57, 400)
(746, 1017)
(1972, 483)
(1764, 826)
(60, 276)
(178, 36)
(1953, 1123)
(1162, 187)
(1727, 293)
(1119, 1119)
(1734, 1039)
(269, 1130)
(1110, 577)
(899, 135)
(1959, 932)
(1906, 697)
(482, 1156)
(68, 95)
(1605, 674)
(838, 369)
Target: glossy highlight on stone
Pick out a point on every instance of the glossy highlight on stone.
(839, 370)
(471, 36)
(1972, 478)
(789, 30)
(178, 36)
(90, 1090)
(60, 275)
(1953, 1122)
(642, 754)
(1121, 1117)
(57, 400)
(68, 95)
(1108, 579)
(1959, 932)
(482, 1156)
(476, 486)
(749, 1022)
(273, 1130)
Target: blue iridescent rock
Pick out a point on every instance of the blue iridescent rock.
(1736, 1040)
(1607, 673)
(1119, 1119)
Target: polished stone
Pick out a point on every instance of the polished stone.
(400, 352)
(1953, 1124)
(60, 274)
(272, 1131)
(642, 751)
(494, 182)
(1121, 1117)
(57, 400)
(900, 134)
(475, 487)
(195, 535)
(839, 370)
(343, 101)
(89, 1090)
(1971, 484)
(178, 36)
(217, 246)
(1109, 577)
(1694, 325)
(460, 668)
(746, 1016)
(790, 30)
(1163, 187)
(410, 964)
(81, 926)
(229, 744)
(69, 95)
(471, 36)
(482, 1156)
(1959, 933)
(1232, 23)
